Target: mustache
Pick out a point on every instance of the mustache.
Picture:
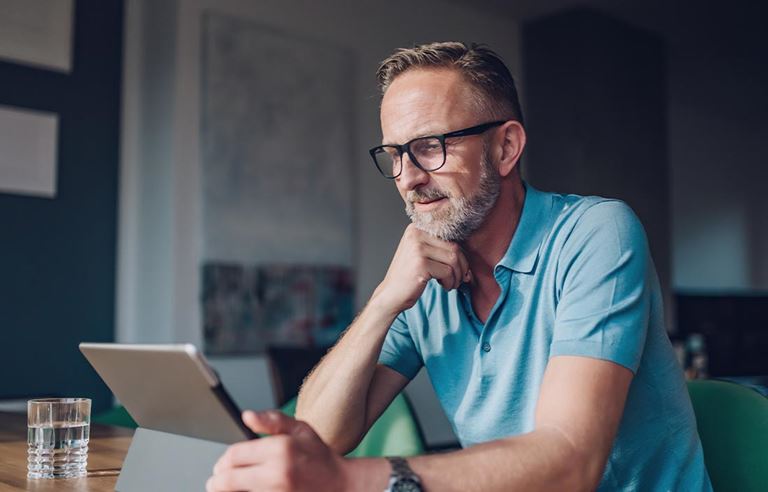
(425, 195)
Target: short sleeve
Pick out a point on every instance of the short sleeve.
(399, 352)
(603, 283)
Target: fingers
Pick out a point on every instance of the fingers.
(441, 272)
(449, 254)
(454, 258)
(255, 451)
(419, 258)
(269, 422)
(252, 452)
(237, 479)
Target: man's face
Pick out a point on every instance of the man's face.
(452, 202)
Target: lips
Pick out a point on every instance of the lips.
(427, 205)
(426, 202)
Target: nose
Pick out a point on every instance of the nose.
(411, 175)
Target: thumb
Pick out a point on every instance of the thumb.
(270, 422)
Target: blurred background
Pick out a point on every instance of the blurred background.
(197, 170)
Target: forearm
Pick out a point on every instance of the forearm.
(333, 399)
(542, 460)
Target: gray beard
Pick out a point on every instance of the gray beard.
(463, 215)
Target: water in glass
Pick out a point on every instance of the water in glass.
(58, 448)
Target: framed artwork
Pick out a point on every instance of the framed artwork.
(246, 309)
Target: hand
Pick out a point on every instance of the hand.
(292, 458)
(419, 258)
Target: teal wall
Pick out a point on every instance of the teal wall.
(57, 256)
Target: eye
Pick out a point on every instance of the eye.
(427, 146)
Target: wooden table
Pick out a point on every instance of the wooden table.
(106, 450)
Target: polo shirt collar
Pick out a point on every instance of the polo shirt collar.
(524, 248)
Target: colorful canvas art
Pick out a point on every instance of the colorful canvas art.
(248, 308)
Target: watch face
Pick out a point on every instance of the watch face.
(406, 485)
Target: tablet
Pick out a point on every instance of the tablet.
(169, 388)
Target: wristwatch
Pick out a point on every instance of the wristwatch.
(402, 478)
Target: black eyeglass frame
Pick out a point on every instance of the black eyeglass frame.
(406, 147)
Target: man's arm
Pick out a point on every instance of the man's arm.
(578, 413)
(348, 390)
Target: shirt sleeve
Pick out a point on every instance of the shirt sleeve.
(604, 287)
(399, 351)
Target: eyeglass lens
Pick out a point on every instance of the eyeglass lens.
(427, 151)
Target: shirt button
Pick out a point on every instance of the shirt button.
(486, 347)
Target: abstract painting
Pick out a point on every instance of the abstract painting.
(246, 309)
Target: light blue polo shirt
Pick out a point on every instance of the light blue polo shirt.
(577, 279)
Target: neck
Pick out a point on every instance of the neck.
(487, 245)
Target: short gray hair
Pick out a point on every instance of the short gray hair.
(491, 81)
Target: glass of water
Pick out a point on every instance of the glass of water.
(57, 435)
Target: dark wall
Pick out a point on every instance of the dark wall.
(718, 102)
(595, 93)
(57, 256)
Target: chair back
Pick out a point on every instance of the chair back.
(732, 421)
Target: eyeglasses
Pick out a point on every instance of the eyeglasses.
(426, 153)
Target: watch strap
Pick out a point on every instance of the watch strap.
(400, 466)
(401, 471)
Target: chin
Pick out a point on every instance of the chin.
(440, 230)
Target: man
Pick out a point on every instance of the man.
(537, 316)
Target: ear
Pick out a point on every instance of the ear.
(512, 145)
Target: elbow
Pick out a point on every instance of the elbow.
(342, 448)
(584, 471)
(340, 444)
(581, 467)
(341, 441)
(341, 435)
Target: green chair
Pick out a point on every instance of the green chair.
(396, 433)
(117, 416)
(733, 426)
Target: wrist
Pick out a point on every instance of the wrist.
(380, 307)
(363, 474)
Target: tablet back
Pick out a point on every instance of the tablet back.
(169, 388)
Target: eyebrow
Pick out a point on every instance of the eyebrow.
(420, 135)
